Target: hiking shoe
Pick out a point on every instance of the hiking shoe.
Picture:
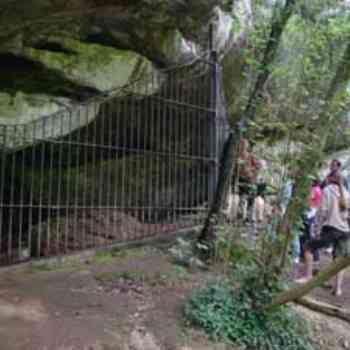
(302, 280)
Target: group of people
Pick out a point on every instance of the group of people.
(328, 222)
(247, 195)
(325, 222)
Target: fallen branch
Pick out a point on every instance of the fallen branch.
(301, 290)
(324, 308)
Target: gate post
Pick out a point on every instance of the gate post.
(213, 124)
(222, 142)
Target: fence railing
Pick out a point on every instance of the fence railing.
(123, 166)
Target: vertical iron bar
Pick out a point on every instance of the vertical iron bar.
(51, 175)
(164, 159)
(68, 178)
(2, 183)
(59, 227)
(154, 159)
(116, 169)
(77, 193)
(166, 136)
(85, 199)
(181, 151)
(21, 193)
(109, 168)
(213, 126)
(157, 165)
(178, 141)
(41, 186)
(188, 136)
(131, 159)
(31, 195)
(146, 126)
(183, 136)
(12, 200)
(139, 174)
(198, 151)
(102, 214)
(172, 118)
(92, 146)
(124, 161)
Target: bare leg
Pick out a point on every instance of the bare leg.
(308, 265)
(308, 262)
(338, 283)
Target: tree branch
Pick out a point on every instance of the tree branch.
(301, 290)
(324, 308)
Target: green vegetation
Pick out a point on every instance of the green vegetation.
(231, 315)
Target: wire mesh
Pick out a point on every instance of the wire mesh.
(124, 166)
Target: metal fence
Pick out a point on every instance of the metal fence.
(133, 163)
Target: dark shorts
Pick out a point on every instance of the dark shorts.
(330, 236)
(245, 187)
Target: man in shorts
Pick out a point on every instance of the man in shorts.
(331, 228)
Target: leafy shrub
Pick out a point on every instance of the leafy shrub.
(230, 248)
(232, 316)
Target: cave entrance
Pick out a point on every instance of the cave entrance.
(139, 162)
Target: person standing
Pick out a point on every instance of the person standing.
(246, 173)
(331, 227)
(334, 171)
(314, 202)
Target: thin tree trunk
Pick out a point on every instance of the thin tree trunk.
(269, 55)
(207, 233)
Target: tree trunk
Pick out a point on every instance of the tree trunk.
(269, 55)
(277, 28)
(228, 156)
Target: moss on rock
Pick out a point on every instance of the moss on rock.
(97, 66)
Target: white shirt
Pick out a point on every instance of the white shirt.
(329, 213)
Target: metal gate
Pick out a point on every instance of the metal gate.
(134, 163)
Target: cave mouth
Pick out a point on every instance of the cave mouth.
(10, 61)
(23, 74)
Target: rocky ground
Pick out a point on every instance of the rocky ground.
(130, 300)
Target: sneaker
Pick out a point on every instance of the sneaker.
(302, 280)
(329, 251)
(296, 260)
(337, 293)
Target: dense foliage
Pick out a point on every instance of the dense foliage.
(232, 315)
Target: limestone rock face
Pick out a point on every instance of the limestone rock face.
(54, 54)
(91, 65)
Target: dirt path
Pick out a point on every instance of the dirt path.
(114, 303)
(131, 301)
